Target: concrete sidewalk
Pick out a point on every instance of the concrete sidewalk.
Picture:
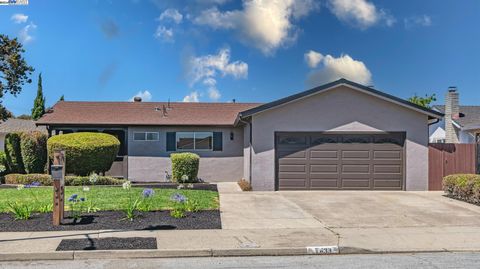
(288, 223)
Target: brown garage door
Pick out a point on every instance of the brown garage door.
(334, 161)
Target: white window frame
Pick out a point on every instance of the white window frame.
(194, 142)
(146, 135)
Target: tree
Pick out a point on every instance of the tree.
(62, 98)
(14, 70)
(423, 101)
(24, 117)
(39, 103)
(4, 113)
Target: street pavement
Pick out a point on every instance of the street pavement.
(368, 261)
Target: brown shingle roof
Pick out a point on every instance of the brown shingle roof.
(19, 125)
(143, 113)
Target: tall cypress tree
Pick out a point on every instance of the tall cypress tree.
(39, 104)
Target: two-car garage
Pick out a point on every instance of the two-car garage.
(340, 161)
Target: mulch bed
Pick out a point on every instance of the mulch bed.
(111, 243)
(114, 220)
(460, 199)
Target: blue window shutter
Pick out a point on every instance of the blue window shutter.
(171, 141)
(217, 141)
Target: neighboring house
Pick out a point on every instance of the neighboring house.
(17, 125)
(461, 124)
(341, 135)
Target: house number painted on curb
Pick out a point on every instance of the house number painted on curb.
(322, 250)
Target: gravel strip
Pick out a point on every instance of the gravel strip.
(111, 243)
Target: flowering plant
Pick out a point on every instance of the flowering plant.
(132, 203)
(179, 208)
(147, 195)
(90, 205)
(74, 210)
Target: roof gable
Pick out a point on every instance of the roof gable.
(471, 115)
(332, 85)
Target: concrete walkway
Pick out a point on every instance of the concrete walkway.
(288, 223)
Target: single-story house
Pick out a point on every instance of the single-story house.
(461, 124)
(17, 125)
(338, 136)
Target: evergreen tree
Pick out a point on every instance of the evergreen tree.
(39, 103)
(62, 98)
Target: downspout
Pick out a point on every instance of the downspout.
(249, 148)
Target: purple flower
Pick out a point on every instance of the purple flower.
(73, 198)
(148, 193)
(82, 199)
(179, 198)
(33, 185)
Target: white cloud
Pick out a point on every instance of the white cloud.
(206, 69)
(342, 67)
(413, 21)
(19, 18)
(360, 13)
(192, 97)
(25, 35)
(313, 58)
(164, 34)
(266, 25)
(172, 15)
(145, 95)
(214, 94)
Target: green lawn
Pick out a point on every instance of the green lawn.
(107, 198)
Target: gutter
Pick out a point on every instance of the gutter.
(250, 146)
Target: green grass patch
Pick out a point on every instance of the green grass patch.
(107, 198)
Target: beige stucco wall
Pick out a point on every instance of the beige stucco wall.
(148, 160)
(2, 141)
(340, 109)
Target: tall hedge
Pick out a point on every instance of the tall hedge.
(33, 146)
(13, 153)
(86, 152)
(185, 167)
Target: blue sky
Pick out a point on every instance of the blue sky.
(253, 51)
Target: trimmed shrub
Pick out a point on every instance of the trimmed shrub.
(244, 185)
(44, 179)
(86, 152)
(13, 153)
(185, 167)
(33, 146)
(463, 186)
(3, 163)
(102, 180)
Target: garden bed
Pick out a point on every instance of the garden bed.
(170, 185)
(114, 220)
(109, 243)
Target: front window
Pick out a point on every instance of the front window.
(145, 136)
(194, 140)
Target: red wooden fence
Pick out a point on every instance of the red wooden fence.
(445, 159)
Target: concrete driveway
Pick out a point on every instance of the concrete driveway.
(343, 209)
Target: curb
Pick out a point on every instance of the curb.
(182, 253)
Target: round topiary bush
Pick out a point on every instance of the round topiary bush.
(185, 167)
(33, 147)
(85, 153)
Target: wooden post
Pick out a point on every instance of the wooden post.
(58, 175)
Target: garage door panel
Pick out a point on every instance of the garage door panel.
(387, 169)
(324, 154)
(387, 183)
(331, 183)
(348, 183)
(324, 168)
(387, 155)
(293, 168)
(356, 154)
(341, 161)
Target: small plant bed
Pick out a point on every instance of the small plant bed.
(109, 243)
(463, 187)
(29, 207)
(115, 220)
